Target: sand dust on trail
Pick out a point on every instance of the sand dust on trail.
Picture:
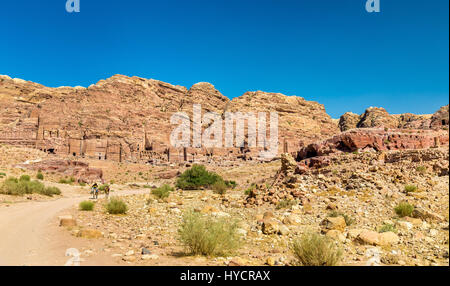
(29, 231)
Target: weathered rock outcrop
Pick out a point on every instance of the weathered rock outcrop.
(379, 117)
(349, 121)
(128, 118)
(370, 139)
(78, 170)
(441, 118)
(375, 139)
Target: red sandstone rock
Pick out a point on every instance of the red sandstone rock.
(128, 119)
(375, 139)
(78, 170)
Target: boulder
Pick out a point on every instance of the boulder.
(377, 239)
(333, 223)
(67, 221)
(270, 226)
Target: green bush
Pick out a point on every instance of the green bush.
(348, 220)
(25, 178)
(15, 187)
(39, 176)
(387, 228)
(86, 206)
(163, 191)
(219, 187)
(231, 184)
(208, 236)
(421, 169)
(313, 249)
(103, 187)
(197, 177)
(410, 188)
(249, 190)
(404, 209)
(50, 191)
(116, 206)
(67, 181)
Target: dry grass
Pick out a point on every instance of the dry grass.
(207, 236)
(313, 249)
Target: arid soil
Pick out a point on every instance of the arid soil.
(364, 186)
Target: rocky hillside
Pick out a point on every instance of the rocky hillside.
(379, 117)
(124, 108)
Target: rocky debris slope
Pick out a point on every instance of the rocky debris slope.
(379, 117)
(350, 201)
(279, 189)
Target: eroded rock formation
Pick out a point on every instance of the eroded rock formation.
(379, 117)
(369, 139)
(128, 119)
(80, 171)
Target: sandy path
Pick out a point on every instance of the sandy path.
(28, 233)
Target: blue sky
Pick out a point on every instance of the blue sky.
(330, 51)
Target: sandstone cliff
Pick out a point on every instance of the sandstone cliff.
(128, 118)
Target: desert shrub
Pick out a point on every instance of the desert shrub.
(208, 236)
(2, 175)
(313, 249)
(33, 187)
(15, 187)
(284, 204)
(86, 206)
(197, 177)
(116, 206)
(387, 228)
(11, 187)
(249, 190)
(404, 209)
(410, 188)
(25, 178)
(421, 169)
(82, 184)
(67, 181)
(103, 187)
(348, 220)
(219, 187)
(231, 184)
(39, 176)
(50, 191)
(163, 191)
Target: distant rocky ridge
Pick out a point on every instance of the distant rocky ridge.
(379, 117)
(128, 119)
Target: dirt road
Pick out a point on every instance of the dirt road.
(29, 234)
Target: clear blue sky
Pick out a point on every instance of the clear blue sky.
(330, 51)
